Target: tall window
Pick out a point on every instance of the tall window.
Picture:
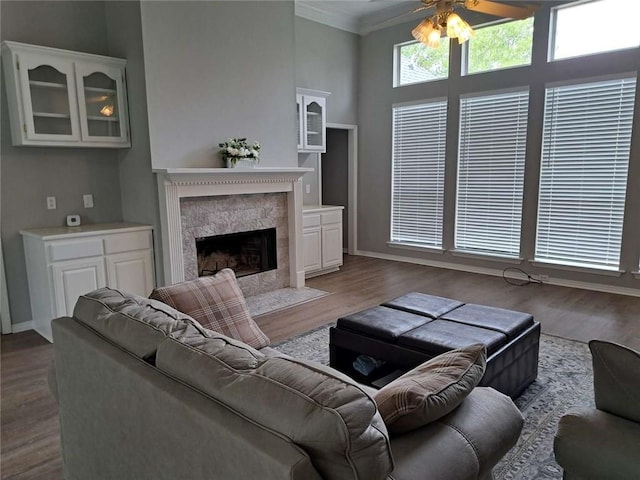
(419, 134)
(583, 178)
(491, 154)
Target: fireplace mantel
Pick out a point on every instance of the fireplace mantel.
(177, 183)
(208, 176)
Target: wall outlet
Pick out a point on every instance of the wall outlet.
(51, 203)
(307, 188)
(88, 200)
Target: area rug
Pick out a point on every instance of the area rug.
(564, 380)
(282, 298)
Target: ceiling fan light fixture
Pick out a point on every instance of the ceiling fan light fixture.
(458, 28)
(433, 39)
(427, 33)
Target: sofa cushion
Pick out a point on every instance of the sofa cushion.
(217, 303)
(431, 390)
(135, 323)
(321, 410)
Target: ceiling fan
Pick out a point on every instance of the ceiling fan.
(445, 19)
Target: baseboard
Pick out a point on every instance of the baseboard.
(21, 327)
(561, 282)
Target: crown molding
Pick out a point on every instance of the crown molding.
(326, 17)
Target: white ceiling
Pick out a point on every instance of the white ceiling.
(365, 16)
(357, 16)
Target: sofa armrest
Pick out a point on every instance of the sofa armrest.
(616, 370)
(592, 444)
(465, 444)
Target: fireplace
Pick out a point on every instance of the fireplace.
(246, 253)
(201, 202)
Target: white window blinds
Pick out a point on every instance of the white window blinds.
(419, 134)
(491, 154)
(583, 178)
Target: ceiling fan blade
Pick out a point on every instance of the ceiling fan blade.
(396, 19)
(500, 9)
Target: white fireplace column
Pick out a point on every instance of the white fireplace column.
(177, 183)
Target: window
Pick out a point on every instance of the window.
(585, 157)
(415, 63)
(419, 134)
(593, 27)
(500, 46)
(491, 154)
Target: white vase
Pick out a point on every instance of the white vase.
(241, 163)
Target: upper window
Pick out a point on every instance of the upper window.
(583, 172)
(416, 63)
(417, 198)
(594, 27)
(499, 46)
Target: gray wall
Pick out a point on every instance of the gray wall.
(377, 96)
(327, 59)
(216, 70)
(137, 182)
(30, 174)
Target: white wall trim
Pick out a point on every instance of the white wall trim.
(21, 327)
(561, 282)
(352, 183)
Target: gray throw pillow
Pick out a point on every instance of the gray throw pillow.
(431, 390)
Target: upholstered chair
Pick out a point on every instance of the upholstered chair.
(603, 443)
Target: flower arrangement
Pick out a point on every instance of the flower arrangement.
(235, 149)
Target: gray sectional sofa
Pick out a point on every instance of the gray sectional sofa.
(144, 392)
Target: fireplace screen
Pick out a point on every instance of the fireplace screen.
(245, 253)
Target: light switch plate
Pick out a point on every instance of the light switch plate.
(88, 200)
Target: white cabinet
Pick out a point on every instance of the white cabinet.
(322, 239)
(63, 98)
(66, 262)
(74, 278)
(311, 120)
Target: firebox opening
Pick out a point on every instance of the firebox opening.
(246, 253)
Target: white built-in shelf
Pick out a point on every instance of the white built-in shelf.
(51, 115)
(100, 90)
(35, 83)
(103, 119)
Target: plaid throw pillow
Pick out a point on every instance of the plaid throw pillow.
(217, 303)
(431, 390)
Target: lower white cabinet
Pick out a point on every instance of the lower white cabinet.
(322, 239)
(74, 278)
(66, 262)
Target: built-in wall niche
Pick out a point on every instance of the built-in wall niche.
(246, 253)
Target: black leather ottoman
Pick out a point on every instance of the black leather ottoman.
(416, 327)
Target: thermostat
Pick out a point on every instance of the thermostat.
(73, 220)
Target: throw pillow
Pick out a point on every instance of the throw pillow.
(217, 303)
(431, 390)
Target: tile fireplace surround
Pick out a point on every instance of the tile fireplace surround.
(191, 202)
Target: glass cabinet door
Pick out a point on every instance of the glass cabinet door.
(314, 124)
(49, 100)
(101, 103)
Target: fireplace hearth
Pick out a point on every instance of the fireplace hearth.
(246, 253)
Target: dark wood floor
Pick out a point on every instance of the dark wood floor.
(30, 445)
